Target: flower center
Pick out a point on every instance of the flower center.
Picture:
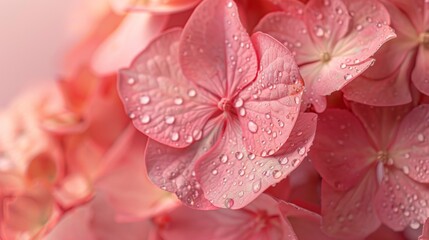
(383, 157)
(424, 39)
(326, 57)
(224, 105)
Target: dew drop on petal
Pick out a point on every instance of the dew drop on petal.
(239, 102)
(343, 65)
(175, 136)
(256, 186)
(131, 81)
(253, 128)
(170, 120)
(223, 158)
(239, 155)
(277, 174)
(281, 123)
(229, 4)
(251, 156)
(348, 77)
(283, 160)
(192, 93)
(242, 112)
(241, 172)
(145, 119)
(214, 172)
(144, 100)
(421, 137)
(178, 101)
(319, 31)
(229, 202)
(189, 139)
(197, 134)
(301, 151)
(406, 169)
(414, 224)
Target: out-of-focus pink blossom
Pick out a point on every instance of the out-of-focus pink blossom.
(373, 162)
(333, 41)
(400, 62)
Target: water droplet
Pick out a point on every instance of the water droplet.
(189, 139)
(297, 100)
(131, 81)
(301, 151)
(229, 4)
(170, 120)
(239, 103)
(192, 93)
(144, 100)
(251, 156)
(267, 116)
(175, 136)
(277, 174)
(253, 128)
(239, 155)
(229, 202)
(348, 77)
(256, 186)
(283, 161)
(414, 224)
(145, 119)
(359, 27)
(223, 158)
(132, 115)
(343, 65)
(197, 134)
(241, 193)
(319, 31)
(241, 172)
(281, 123)
(406, 169)
(178, 101)
(421, 137)
(242, 112)
(214, 172)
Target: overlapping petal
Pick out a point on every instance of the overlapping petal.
(161, 102)
(155, 6)
(226, 65)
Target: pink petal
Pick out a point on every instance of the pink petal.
(390, 91)
(402, 202)
(381, 123)
(350, 214)
(172, 169)
(293, 33)
(260, 220)
(366, 12)
(161, 102)
(292, 7)
(327, 21)
(306, 224)
(138, 198)
(342, 151)
(168, 6)
(228, 63)
(420, 74)
(425, 232)
(268, 107)
(231, 177)
(132, 36)
(410, 149)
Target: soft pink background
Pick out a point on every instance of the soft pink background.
(33, 35)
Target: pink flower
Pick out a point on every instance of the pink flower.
(221, 116)
(373, 162)
(400, 61)
(332, 41)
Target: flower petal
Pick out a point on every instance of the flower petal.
(268, 107)
(342, 152)
(410, 150)
(390, 91)
(350, 213)
(293, 33)
(327, 20)
(172, 169)
(228, 63)
(420, 74)
(132, 36)
(231, 177)
(161, 102)
(402, 202)
(425, 232)
(165, 6)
